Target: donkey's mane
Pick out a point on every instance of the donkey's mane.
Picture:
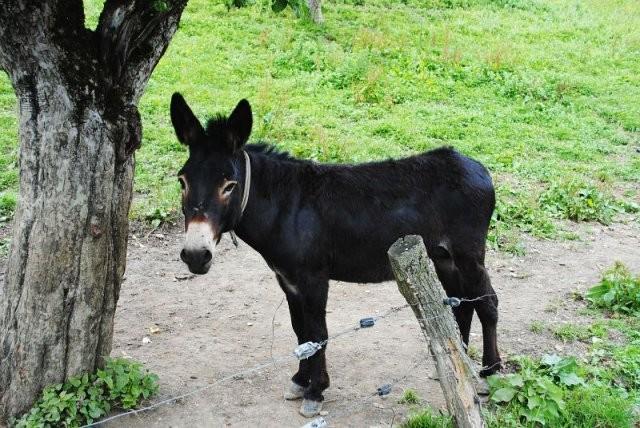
(271, 151)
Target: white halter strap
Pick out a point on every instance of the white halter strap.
(245, 192)
(247, 182)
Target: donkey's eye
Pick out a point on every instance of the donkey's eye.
(228, 188)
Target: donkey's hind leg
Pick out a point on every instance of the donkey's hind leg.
(465, 276)
(487, 310)
(449, 276)
(477, 285)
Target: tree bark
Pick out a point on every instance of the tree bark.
(315, 11)
(77, 93)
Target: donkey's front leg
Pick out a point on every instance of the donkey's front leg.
(314, 293)
(300, 380)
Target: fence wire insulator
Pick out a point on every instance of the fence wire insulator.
(367, 322)
(454, 302)
(384, 390)
(316, 423)
(306, 350)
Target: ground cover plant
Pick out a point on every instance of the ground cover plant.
(83, 399)
(428, 418)
(409, 396)
(618, 291)
(544, 92)
(598, 389)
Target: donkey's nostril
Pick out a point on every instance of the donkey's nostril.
(197, 258)
(206, 257)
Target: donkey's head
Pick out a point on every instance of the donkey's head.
(212, 190)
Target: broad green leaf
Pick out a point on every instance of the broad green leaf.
(550, 359)
(503, 395)
(533, 416)
(494, 380)
(516, 380)
(533, 402)
(609, 296)
(570, 379)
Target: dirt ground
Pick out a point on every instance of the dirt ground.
(194, 330)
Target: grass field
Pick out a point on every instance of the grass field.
(545, 93)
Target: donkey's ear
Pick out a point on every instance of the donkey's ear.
(186, 124)
(240, 123)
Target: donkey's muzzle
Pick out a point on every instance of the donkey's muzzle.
(198, 261)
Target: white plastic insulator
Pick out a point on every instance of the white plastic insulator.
(306, 350)
(316, 423)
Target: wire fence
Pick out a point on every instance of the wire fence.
(354, 406)
(305, 351)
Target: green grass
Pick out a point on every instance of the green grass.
(571, 332)
(427, 418)
(597, 407)
(409, 396)
(8, 150)
(576, 201)
(544, 92)
(618, 291)
(598, 389)
(536, 327)
(564, 392)
(7, 204)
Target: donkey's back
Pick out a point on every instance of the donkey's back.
(445, 197)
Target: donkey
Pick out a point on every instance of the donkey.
(315, 222)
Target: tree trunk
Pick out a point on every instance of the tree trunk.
(315, 11)
(79, 125)
(69, 244)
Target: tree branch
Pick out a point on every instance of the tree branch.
(132, 36)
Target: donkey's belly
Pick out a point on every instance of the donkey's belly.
(362, 267)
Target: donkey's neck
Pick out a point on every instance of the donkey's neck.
(272, 191)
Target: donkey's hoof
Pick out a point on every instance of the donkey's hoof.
(310, 408)
(295, 392)
(492, 369)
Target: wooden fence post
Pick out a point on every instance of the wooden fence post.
(419, 284)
